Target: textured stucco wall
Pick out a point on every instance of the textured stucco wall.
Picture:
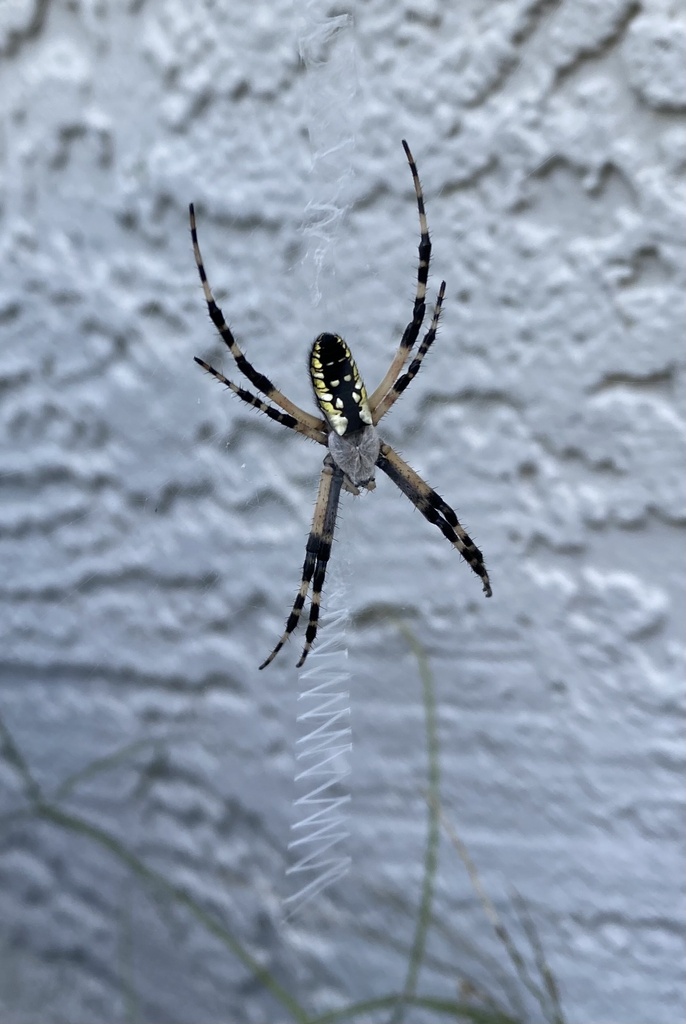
(152, 528)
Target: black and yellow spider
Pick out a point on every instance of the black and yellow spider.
(348, 428)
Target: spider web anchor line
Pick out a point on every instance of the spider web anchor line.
(328, 51)
(322, 765)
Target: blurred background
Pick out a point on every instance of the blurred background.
(152, 527)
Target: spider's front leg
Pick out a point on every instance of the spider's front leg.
(317, 552)
(435, 509)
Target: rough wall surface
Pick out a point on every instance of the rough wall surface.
(152, 528)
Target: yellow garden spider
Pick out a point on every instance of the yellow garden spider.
(348, 428)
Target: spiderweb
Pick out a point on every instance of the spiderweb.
(317, 859)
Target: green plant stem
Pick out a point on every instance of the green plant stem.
(445, 1007)
(85, 828)
(433, 828)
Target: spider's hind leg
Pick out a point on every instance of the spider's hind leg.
(402, 382)
(257, 379)
(275, 414)
(411, 332)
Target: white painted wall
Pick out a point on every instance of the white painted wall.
(153, 528)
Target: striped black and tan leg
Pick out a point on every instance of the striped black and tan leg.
(402, 382)
(411, 332)
(284, 418)
(258, 380)
(322, 562)
(435, 509)
(317, 554)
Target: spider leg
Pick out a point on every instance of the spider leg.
(402, 382)
(280, 417)
(412, 330)
(258, 380)
(317, 553)
(435, 509)
(322, 563)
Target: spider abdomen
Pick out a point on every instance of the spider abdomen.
(338, 386)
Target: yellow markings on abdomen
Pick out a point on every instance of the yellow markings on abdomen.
(338, 387)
